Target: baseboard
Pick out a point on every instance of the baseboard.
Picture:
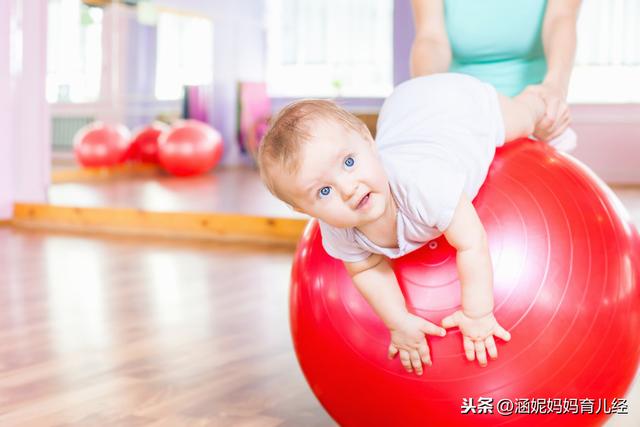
(189, 225)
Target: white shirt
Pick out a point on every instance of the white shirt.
(436, 138)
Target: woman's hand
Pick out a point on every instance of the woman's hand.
(557, 116)
(477, 335)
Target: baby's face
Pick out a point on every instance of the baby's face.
(340, 180)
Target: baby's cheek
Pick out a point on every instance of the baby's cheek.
(332, 214)
(380, 176)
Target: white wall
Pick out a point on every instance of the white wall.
(6, 178)
(24, 116)
(609, 140)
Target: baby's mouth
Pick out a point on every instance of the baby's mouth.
(363, 200)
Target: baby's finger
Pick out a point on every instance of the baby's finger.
(431, 329)
(393, 350)
(502, 333)
(481, 353)
(490, 344)
(416, 363)
(469, 349)
(450, 321)
(424, 354)
(405, 360)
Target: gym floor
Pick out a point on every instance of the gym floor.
(108, 330)
(207, 193)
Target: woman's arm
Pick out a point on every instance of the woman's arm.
(559, 41)
(430, 52)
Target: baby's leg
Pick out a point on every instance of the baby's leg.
(520, 114)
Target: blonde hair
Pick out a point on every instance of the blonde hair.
(290, 128)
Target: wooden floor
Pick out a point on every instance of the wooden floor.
(226, 190)
(114, 332)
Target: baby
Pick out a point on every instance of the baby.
(435, 140)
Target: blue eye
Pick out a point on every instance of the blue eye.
(324, 191)
(349, 162)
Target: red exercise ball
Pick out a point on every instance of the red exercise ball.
(566, 263)
(100, 144)
(144, 144)
(190, 147)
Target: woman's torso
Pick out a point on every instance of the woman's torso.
(497, 41)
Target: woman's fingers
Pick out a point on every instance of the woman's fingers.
(556, 120)
(560, 127)
(556, 133)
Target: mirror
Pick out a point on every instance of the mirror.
(136, 63)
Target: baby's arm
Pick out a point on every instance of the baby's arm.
(476, 321)
(521, 113)
(376, 281)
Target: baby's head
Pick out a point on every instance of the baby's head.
(322, 160)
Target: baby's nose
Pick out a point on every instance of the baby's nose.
(348, 189)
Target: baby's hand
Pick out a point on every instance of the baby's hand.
(477, 335)
(408, 339)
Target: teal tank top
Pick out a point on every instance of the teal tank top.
(497, 41)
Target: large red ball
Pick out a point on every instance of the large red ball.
(100, 144)
(190, 147)
(144, 143)
(566, 265)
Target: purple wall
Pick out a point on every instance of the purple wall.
(141, 58)
(403, 33)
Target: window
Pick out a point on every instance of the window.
(74, 46)
(608, 58)
(330, 48)
(184, 54)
